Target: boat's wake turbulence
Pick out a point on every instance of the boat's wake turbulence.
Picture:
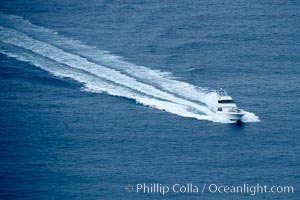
(99, 71)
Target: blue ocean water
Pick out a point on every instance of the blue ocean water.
(96, 95)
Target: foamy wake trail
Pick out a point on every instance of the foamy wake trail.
(97, 85)
(100, 71)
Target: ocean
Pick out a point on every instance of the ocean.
(114, 99)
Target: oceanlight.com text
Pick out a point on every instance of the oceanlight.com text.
(212, 188)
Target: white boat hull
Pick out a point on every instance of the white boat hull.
(236, 117)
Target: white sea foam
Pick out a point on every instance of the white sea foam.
(163, 80)
(101, 71)
(250, 117)
(94, 84)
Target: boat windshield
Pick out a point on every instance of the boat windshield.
(225, 101)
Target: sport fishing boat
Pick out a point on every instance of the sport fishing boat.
(227, 108)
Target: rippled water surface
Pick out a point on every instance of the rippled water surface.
(100, 94)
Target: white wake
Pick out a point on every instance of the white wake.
(99, 71)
